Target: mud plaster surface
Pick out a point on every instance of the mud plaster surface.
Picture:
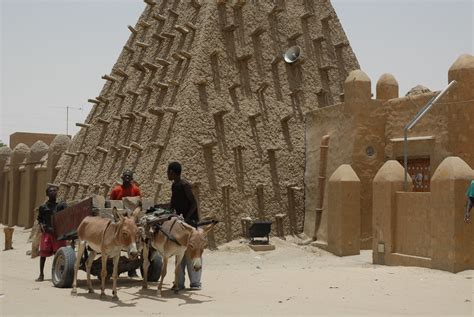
(226, 106)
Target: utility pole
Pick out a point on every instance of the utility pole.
(67, 115)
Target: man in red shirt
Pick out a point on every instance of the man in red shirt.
(127, 189)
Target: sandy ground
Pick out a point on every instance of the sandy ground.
(290, 281)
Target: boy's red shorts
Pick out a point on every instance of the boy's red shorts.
(49, 245)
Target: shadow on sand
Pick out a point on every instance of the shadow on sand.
(124, 285)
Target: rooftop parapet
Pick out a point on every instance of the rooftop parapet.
(19, 153)
(357, 87)
(37, 151)
(5, 153)
(387, 87)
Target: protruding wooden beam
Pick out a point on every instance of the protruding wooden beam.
(220, 113)
(168, 35)
(191, 26)
(163, 62)
(234, 86)
(83, 125)
(341, 44)
(129, 49)
(171, 110)
(258, 31)
(159, 17)
(307, 15)
(273, 148)
(150, 66)
(102, 99)
(276, 60)
(177, 56)
(121, 96)
(287, 118)
(142, 44)
(138, 67)
(101, 150)
(172, 12)
(173, 82)
(327, 67)
(70, 154)
(132, 29)
(255, 115)
(103, 121)
(150, 2)
(126, 148)
(109, 78)
(196, 4)
(207, 143)
(185, 54)
(181, 29)
(230, 28)
(144, 24)
(133, 93)
(161, 84)
(262, 86)
(158, 37)
(156, 111)
(95, 101)
(158, 145)
(132, 115)
(275, 10)
(141, 114)
(148, 88)
(295, 36)
(136, 146)
(244, 57)
(120, 73)
(326, 18)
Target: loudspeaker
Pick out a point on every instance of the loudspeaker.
(292, 54)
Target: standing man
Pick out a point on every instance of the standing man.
(183, 201)
(48, 243)
(470, 202)
(128, 188)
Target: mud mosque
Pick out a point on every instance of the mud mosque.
(265, 105)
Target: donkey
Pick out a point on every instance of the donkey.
(107, 238)
(174, 239)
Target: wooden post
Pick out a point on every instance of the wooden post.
(279, 225)
(8, 238)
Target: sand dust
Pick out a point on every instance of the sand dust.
(290, 281)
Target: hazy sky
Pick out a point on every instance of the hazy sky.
(54, 52)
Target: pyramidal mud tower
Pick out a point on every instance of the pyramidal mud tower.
(205, 83)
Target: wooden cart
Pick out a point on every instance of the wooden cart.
(65, 224)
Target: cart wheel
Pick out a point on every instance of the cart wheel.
(154, 270)
(62, 271)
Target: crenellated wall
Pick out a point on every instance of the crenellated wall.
(366, 132)
(423, 229)
(24, 177)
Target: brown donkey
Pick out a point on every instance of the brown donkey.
(174, 239)
(107, 238)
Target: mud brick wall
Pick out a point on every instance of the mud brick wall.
(204, 83)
